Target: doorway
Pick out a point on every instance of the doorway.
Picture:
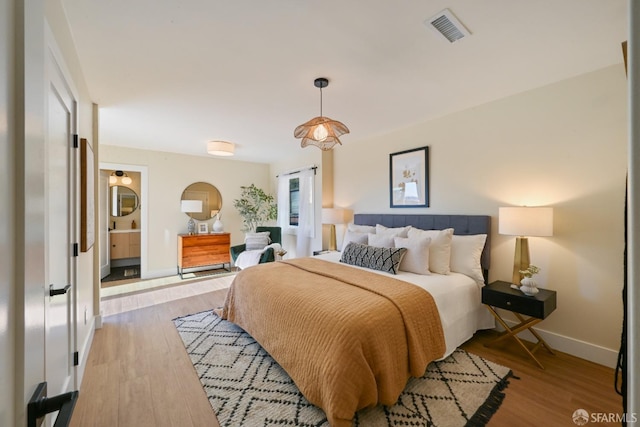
(123, 224)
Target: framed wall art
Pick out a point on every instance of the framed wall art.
(409, 178)
(203, 228)
(87, 200)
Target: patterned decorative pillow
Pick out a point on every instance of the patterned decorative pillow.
(257, 241)
(375, 258)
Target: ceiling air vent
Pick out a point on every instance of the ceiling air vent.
(448, 26)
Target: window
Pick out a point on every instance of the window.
(294, 201)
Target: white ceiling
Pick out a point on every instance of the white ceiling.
(169, 75)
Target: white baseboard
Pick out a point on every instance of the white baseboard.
(155, 274)
(84, 353)
(582, 349)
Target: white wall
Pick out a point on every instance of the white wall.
(563, 145)
(168, 175)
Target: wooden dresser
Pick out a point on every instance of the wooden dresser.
(203, 250)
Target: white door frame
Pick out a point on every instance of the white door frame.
(103, 224)
(144, 217)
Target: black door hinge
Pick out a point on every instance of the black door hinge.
(75, 249)
(76, 358)
(75, 140)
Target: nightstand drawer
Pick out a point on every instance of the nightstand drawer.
(501, 295)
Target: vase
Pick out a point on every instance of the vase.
(218, 226)
(528, 286)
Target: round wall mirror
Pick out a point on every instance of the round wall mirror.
(123, 200)
(201, 201)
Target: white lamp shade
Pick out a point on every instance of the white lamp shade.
(191, 206)
(220, 148)
(525, 221)
(336, 215)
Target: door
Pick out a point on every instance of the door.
(61, 225)
(105, 259)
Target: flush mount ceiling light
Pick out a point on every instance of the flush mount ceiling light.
(320, 131)
(220, 148)
(120, 175)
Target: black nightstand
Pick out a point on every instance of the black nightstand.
(322, 252)
(499, 294)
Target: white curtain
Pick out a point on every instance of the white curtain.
(306, 227)
(305, 230)
(283, 204)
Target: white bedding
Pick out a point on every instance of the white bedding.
(457, 296)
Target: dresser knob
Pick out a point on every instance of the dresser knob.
(508, 302)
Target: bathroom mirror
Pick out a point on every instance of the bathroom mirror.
(205, 193)
(123, 200)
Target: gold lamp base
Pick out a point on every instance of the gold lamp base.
(521, 259)
(332, 238)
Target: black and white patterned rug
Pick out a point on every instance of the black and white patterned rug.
(246, 387)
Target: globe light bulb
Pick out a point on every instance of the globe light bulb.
(320, 133)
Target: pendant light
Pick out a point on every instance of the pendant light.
(320, 131)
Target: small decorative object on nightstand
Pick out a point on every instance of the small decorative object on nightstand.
(529, 285)
(501, 295)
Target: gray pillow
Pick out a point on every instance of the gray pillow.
(375, 258)
(254, 241)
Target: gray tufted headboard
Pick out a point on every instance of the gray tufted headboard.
(462, 225)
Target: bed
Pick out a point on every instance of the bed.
(350, 337)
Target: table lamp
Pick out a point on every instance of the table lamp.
(524, 221)
(333, 216)
(191, 206)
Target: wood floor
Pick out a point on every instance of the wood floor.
(138, 374)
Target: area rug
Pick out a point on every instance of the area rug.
(246, 387)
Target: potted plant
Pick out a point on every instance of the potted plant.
(255, 207)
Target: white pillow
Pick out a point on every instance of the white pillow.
(466, 252)
(354, 236)
(381, 240)
(361, 228)
(398, 231)
(255, 241)
(416, 260)
(439, 250)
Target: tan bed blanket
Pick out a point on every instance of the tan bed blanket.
(348, 338)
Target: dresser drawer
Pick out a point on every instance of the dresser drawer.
(205, 240)
(200, 250)
(501, 295)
